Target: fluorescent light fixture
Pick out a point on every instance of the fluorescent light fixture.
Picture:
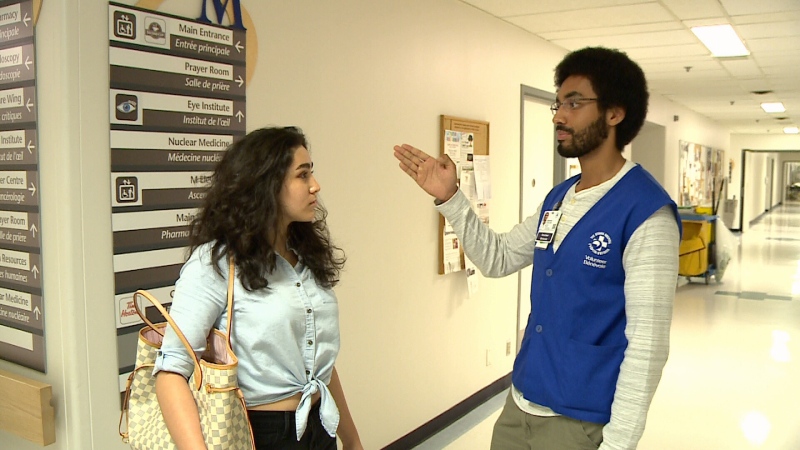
(721, 40)
(791, 130)
(776, 107)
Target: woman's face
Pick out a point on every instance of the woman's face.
(298, 195)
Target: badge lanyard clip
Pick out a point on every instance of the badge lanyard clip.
(547, 228)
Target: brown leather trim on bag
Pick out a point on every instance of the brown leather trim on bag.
(198, 373)
(231, 279)
(126, 399)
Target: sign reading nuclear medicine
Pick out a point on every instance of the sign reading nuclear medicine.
(22, 307)
(177, 101)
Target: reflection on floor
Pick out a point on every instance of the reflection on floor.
(733, 376)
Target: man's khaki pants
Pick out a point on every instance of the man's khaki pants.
(518, 430)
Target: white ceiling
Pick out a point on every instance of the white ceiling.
(657, 35)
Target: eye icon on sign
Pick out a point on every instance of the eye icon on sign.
(127, 107)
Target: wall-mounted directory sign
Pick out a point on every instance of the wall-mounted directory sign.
(21, 302)
(177, 100)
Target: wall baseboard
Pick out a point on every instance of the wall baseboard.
(446, 418)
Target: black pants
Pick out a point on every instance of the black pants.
(275, 430)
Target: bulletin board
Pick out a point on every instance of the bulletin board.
(701, 174)
(476, 133)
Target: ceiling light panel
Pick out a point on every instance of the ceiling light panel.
(721, 40)
(773, 107)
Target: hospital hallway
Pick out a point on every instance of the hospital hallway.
(732, 380)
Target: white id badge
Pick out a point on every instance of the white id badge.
(547, 228)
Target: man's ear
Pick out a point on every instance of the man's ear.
(615, 115)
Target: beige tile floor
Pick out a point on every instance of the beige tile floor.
(733, 376)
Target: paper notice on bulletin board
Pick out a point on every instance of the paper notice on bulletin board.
(451, 249)
(467, 184)
(467, 150)
(472, 276)
(460, 147)
(452, 145)
(483, 187)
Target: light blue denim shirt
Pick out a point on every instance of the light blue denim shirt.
(286, 336)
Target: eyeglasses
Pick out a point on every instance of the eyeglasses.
(571, 104)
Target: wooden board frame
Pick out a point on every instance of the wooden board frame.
(480, 132)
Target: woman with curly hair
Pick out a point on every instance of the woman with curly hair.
(261, 210)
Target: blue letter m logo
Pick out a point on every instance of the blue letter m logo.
(219, 7)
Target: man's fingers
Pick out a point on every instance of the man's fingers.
(413, 154)
(409, 171)
(404, 157)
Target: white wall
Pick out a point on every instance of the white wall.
(755, 173)
(648, 149)
(358, 76)
(691, 127)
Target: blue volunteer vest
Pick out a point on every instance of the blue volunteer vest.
(575, 338)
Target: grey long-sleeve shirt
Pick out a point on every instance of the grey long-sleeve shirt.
(650, 262)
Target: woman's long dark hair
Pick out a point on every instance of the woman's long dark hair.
(241, 211)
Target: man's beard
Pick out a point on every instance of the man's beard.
(584, 141)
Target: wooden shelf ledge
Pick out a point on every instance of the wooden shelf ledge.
(25, 408)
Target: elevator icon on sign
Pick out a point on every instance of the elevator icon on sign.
(124, 25)
(127, 189)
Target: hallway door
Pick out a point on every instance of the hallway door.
(768, 182)
(538, 175)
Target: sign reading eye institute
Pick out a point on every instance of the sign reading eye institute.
(177, 102)
(21, 301)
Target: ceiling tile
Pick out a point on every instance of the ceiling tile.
(677, 67)
(694, 9)
(741, 7)
(641, 54)
(771, 45)
(613, 31)
(768, 30)
(587, 18)
(510, 8)
(766, 18)
(706, 22)
(659, 38)
(742, 68)
(777, 59)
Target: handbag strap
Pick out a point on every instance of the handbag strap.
(231, 280)
(198, 374)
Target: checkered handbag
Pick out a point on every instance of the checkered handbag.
(214, 386)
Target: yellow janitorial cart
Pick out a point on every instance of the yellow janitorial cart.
(697, 246)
